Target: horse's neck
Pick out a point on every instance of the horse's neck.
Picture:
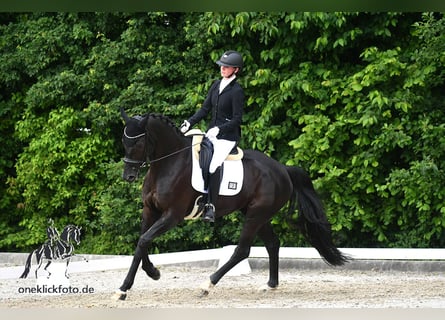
(166, 147)
(167, 170)
(65, 237)
(64, 244)
(61, 243)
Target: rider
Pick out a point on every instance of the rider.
(53, 237)
(225, 101)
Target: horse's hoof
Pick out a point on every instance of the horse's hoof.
(152, 272)
(156, 275)
(203, 293)
(205, 288)
(266, 288)
(119, 295)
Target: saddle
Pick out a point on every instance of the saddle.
(203, 150)
(202, 153)
(198, 137)
(232, 170)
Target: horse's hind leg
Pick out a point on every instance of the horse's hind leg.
(272, 244)
(240, 253)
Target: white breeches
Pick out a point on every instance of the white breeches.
(221, 149)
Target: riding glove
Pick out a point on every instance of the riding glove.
(185, 126)
(212, 132)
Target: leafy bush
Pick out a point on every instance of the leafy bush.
(356, 99)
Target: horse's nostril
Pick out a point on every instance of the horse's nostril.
(129, 177)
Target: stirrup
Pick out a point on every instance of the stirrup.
(209, 214)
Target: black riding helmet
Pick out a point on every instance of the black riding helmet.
(231, 59)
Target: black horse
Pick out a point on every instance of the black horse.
(55, 248)
(168, 197)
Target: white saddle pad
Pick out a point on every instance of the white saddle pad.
(231, 182)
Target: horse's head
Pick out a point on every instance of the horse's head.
(71, 233)
(133, 141)
(153, 138)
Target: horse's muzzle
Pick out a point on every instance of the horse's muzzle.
(131, 169)
(130, 177)
(131, 173)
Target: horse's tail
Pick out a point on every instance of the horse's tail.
(27, 265)
(312, 220)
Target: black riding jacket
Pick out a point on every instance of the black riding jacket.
(226, 108)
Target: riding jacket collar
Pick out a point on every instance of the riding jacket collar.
(224, 82)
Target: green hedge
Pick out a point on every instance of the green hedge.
(356, 99)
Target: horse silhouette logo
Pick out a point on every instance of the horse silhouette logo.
(56, 247)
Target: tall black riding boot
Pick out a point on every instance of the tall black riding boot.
(213, 191)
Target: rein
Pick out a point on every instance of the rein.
(173, 153)
(143, 164)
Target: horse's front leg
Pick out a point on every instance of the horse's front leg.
(165, 223)
(149, 216)
(66, 268)
(39, 259)
(46, 269)
(121, 294)
(150, 269)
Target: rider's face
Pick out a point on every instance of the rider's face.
(226, 72)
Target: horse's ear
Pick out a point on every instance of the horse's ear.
(124, 115)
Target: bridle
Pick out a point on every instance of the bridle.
(143, 164)
(140, 164)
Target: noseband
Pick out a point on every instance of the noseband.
(141, 164)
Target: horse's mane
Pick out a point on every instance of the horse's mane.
(163, 118)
